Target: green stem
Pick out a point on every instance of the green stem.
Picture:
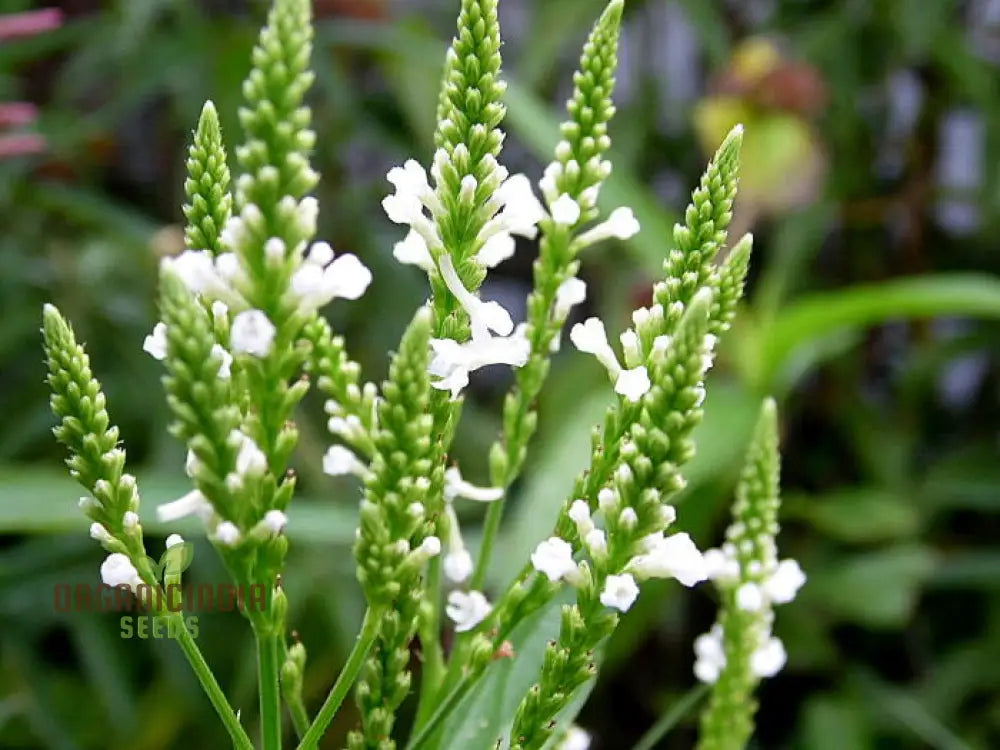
(432, 724)
(491, 527)
(369, 632)
(432, 673)
(211, 687)
(270, 698)
(667, 722)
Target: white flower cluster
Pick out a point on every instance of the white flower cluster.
(223, 279)
(659, 555)
(763, 586)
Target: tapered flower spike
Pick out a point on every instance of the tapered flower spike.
(689, 265)
(209, 203)
(740, 649)
(729, 282)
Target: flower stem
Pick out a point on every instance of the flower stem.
(670, 719)
(270, 698)
(211, 688)
(430, 644)
(356, 659)
(431, 725)
(491, 527)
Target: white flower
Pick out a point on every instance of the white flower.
(521, 209)
(227, 533)
(225, 361)
(579, 513)
(274, 251)
(483, 316)
(192, 504)
(455, 486)
(467, 609)
(155, 344)
(597, 542)
(320, 254)
(413, 194)
(196, 269)
(785, 582)
(554, 559)
(620, 592)
(87, 504)
(452, 362)
(720, 566)
(675, 556)
(173, 540)
(315, 285)
(710, 656)
(607, 500)
(628, 517)
(275, 521)
(498, 248)
(250, 460)
(622, 225)
(768, 660)
(412, 250)
(565, 210)
(633, 384)
(130, 520)
(574, 739)
(749, 597)
(458, 565)
(571, 292)
(252, 333)
(99, 533)
(118, 570)
(590, 337)
(338, 460)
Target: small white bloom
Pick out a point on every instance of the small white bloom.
(565, 210)
(252, 333)
(130, 520)
(768, 660)
(575, 739)
(227, 533)
(521, 209)
(622, 225)
(345, 278)
(225, 361)
(173, 540)
(458, 565)
(250, 459)
(452, 362)
(275, 521)
(554, 558)
(720, 566)
(155, 344)
(749, 597)
(274, 250)
(196, 269)
(338, 460)
(675, 556)
(710, 655)
(415, 509)
(633, 384)
(607, 500)
(430, 547)
(498, 248)
(628, 518)
(118, 570)
(320, 254)
(620, 592)
(483, 316)
(597, 542)
(571, 292)
(99, 533)
(785, 582)
(455, 486)
(579, 513)
(192, 504)
(590, 337)
(412, 250)
(467, 609)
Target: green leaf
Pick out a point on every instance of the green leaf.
(860, 515)
(877, 589)
(820, 315)
(35, 501)
(487, 711)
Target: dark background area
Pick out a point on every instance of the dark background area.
(870, 182)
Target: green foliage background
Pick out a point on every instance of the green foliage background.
(873, 324)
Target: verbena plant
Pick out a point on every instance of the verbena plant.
(242, 341)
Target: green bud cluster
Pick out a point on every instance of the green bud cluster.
(209, 203)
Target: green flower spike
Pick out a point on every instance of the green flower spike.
(740, 650)
(207, 186)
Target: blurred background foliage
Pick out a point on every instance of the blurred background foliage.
(871, 184)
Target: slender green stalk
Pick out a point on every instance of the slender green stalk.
(431, 725)
(367, 636)
(670, 719)
(300, 719)
(433, 672)
(211, 687)
(270, 698)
